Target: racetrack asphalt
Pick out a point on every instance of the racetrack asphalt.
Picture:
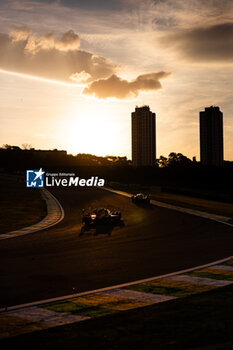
(64, 260)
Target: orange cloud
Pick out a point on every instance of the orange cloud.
(50, 57)
(69, 42)
(19, 33)
(121, 89)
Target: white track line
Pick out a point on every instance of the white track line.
(55, 214)
(35, 303)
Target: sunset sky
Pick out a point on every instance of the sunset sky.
(72, 72)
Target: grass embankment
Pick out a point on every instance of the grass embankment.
(19, 206)
(209, 206)
(199, 320)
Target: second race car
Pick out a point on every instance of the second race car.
(140, 198)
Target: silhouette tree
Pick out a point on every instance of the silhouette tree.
(175, 159)
(162, 162)
(26, 146)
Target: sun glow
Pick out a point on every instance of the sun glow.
(92, 130)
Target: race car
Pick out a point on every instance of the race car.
(101, 215)
(141, 198)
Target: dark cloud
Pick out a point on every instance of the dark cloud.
(121, 89)
(93, 4)
(51, 58)
(69, 41)
(211, 44)
(164, 23)
(89, 4)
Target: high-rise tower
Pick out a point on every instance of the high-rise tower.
(143, 137)
(211, 136)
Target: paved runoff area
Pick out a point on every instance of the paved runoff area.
(83, 306)
(55, 214)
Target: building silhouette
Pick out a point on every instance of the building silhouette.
(143, 137)
(211, 136)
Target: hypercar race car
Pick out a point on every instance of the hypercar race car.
(140, 198)
(101, 215)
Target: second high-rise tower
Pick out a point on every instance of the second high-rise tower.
(143, 137)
